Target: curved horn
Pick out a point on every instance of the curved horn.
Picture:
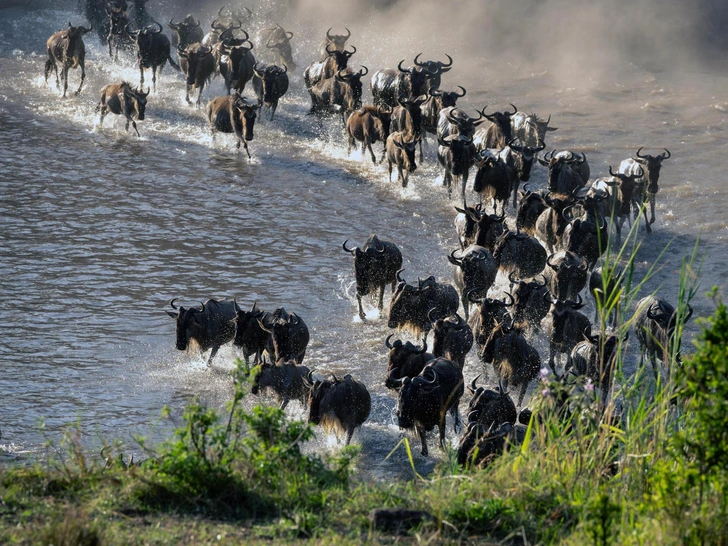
(173, 25)
(160, 28)
(363, 73)
(387, 343)
(666, 156)
(330, 52)
(548, 262)
(510, 277)
(638, 153)
(400, 279)
(455, 260)
(328, 35)
(288, 38)
(424, 348)
(509, 297)
(349, 250)
(309, 378)
(399, 66)
(429, 315)
(543, 283)
(172, 303)
(443, 65)
(472, 387)
(416, 62)
(514, 109)
(464, 91)
(395, 381)
(348, 33)
(202, 307)
(350, 54)
(612, 173)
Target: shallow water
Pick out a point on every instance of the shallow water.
(100, 229)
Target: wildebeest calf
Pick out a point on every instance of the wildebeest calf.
(123, 99)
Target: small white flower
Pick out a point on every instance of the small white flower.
(545, 392)
(589, 386)
(544, 372)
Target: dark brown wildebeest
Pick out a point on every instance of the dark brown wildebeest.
(407, 118)
(328, 68)
(152, 51)
(236, 63)
(401, 152)
(492, 179)
(530, 207)
(566, 327)
(474, 272)
(453, 339)
(647, 187)
(186, 32)
(339, 405)
(198, 64)
(375, 267)
(404, 360)
(566, 274)
(211, 326)
(498, 133)
(531, 300)
(67, 48)
(455, 153)
(123, 99)
(519, 253)
(286, 379)
(490, 407)
(655, 324)
(368, 125)
(249, 336)
(270, 84)
(337, 41)
(594, 357)
(118, 37)
(621, 189)
(289, 335)
(213, 37)
(233, 114)
(278, 40)
(424, 400)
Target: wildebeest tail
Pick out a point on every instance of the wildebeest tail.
(173, 64)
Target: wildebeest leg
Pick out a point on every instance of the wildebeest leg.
(423, 438)
(154, 80)
(51, 64)
(64, 77)
(361, 311)
(83, 77)
(652, 208)
(421, 139)
(381, 300)
(284, 403)
(104, 110)
(245, 145)
(349, 434)
(187, 93)
(403, 176)
(141, 78)
(350, 143)
(647, 223)
(374, 159)
(464, 299)
(653, 361)
(464, 179)
(133, 123)
(199, 95)
(552, 357)
(522, 394)
(215, 348)
(390, 168)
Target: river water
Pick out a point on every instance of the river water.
(99, 229)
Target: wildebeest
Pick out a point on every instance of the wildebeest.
(237, 63)
(490, 407)
(186, 32)
(211, 326)
(390, 87)
(566, 274)
(218, 28)
(123, 99)
(474, 272)
(436, 101)
(118, 37)
(621, 188)
(492, 179)
(424, 400)
(490, 312)
(605, 284)
(400, 149)
(647, 184)
(336, 41)
(519, 253)
(551, 223)
(454, 121)
(368, 125)
(565, 173)
(152, 51)
(328, 68)
(519, 160)
(286, 378)
(404, 360)
(340, 405)
(453, 339)
(455, 153)
(288, 335)
(655, 325)
(434, 71)
(270, 84)
(566, 327)
(529, 129)
(407, 118)
(594, 358)
(474, 226)
(249, 335)
(375, 267)
(67, 48)
(479, 446)
(588, 235)
(198, 64)
(279, 40)
(514, 359)
(340, 94)
(530, 207)
(498, 133)
(233, 114)
(530, 304)
(413, 307)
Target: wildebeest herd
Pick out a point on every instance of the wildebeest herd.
(547, 250)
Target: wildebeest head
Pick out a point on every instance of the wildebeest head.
(353, 80)
(530, 207)
(288, 333)
(268, 77)
(248, 114)
(490, 407)
(465, 124)
(402, 304)
(245, 320)
(433, 69)
(188, 31)
(665, 315)
(117, 21)
(453, 338)
(652, 165)
(401, 360)
(412, 81)
(447, 98)
(196, 55)
(524, 158)
(560, 311)
(76, 33)
(408, 147)
(366, 262)
(139, 100)
(338, 41)
(187, 322)
(503, 120)
(144, 37)
(341, 57)
(409, 391)
(319, 390)
(235, 49)
(280, 40)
